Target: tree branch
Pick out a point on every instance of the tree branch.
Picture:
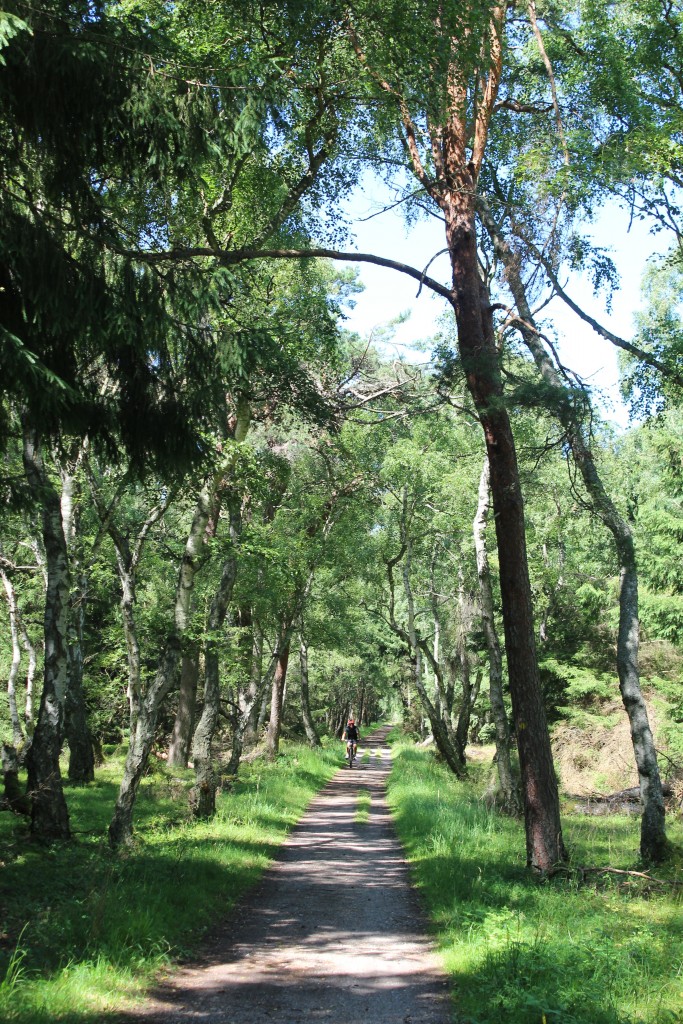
(669, 372)
(235, 256)
(551, 79)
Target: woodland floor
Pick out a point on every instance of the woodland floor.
(333, 931)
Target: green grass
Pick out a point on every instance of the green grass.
(84, 931)
(363, 802)
(522, 951)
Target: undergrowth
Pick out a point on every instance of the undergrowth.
(84, 931)
(522, 951)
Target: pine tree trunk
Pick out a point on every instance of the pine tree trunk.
(276, 701)
(653, 841)
(183, 726)
(477, 348)
(511, 797)
(49, 814)
(311, 733)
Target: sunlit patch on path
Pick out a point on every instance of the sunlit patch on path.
(333, 932)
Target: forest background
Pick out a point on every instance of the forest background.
(228, 517)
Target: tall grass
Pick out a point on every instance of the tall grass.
(521, 951)
(84, 931)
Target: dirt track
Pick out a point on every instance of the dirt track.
(332, 933)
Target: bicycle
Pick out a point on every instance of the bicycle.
(350, 752)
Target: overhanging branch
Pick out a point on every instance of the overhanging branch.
(667, 371)
(230, 257)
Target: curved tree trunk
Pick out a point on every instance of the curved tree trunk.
(311, 733)
(511, 797)
(653, 842)
(49, 814)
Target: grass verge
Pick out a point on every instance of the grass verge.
(522, 951)
(84, 932)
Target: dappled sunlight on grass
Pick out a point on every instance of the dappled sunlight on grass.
(97, 926)
(523, 951)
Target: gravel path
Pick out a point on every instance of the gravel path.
(333, 932)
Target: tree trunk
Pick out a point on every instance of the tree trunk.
(13, 607)
(76, 729)
(203, 793)
(30, 677)
(511, 797)
(78, 736)
(121, 826)
(134, 693)
(49, 814)
(311, 733)
(250, 737)
(470, 691)
(277, 692)
(653, 841)
(142, 736)
(183, 726)
(81, 751)
(441, 728)
(250, 659)
(263, 711)
(480, 361)
(14, 798)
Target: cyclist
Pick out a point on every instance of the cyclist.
(351, 735)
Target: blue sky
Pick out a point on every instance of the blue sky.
(388, 294)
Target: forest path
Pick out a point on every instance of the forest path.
(333, 932)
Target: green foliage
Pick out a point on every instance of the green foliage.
(520, 951)
(92, 928)
(567, 688)
(659, 332)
